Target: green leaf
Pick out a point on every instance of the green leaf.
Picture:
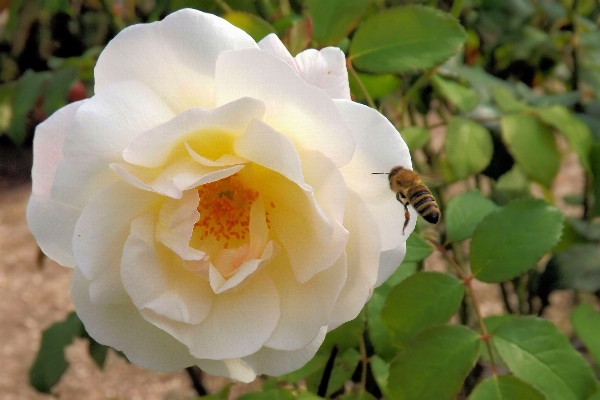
(417, 249)
(464, 212)
(469, 147)
(7, 94)
(532, 145)
(253, 25)
(381, 372)
(421, 301)
(506, 101)
(576, 131)
(511, 186)
(465, 99)
(511, 240)
(586, 323)
(401, 39)
(434, 365)
(278, 394)
(306, 395)
(50, 363)
(334, 19)
(579, 267)
(505, 387)
(379, 333)
(595, 396)
(57, 91)
(415, 136)
(538, 353)
(377, 85)
(28, 91)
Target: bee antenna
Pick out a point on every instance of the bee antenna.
(378, 173)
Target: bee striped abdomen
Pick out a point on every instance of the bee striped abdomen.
(424, 203)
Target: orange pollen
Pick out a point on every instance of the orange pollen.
(224, 209)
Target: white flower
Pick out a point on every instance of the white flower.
(215, 198)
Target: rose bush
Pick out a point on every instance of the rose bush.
(215, 198)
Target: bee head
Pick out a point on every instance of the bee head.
(394, 171)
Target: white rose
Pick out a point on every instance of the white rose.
(215, 198)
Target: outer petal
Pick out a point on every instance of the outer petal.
(101, 232)
(300, 111)
(104, 125)
(379, 148)
(51, 222)
(265, 361)
(278, 362)
(122, 327)
(273, 45)
(389, 261)
(305, 307)
(156, 281)
(175, 57)
(363, 251)
(236, 368)
(239, 322)
(325, 69)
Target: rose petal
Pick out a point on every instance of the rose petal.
(104, 125)
(247, 269)
(121, 327)
(278, 362)
(154, 147)
(305, 307)
(103, 227)
(236, 368)
(379, 148)
(265, 146)
(51, 222)
(172, 181)
(273, 45)
(239, 322)
(175, 57)
(156, 281)
(389, 261)
(298, 110)
(325, 68)
(327, 183)
(175, 225)
(363, 252)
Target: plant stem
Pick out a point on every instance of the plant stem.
(365, 361)
(224, 6)
(467, 279)
(362, 87)
(195, 375)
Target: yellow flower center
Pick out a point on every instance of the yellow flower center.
(224, 209)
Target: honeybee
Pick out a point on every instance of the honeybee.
(410, 190)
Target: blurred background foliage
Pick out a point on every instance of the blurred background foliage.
(492, 97)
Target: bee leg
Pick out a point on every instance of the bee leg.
(402, 199)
